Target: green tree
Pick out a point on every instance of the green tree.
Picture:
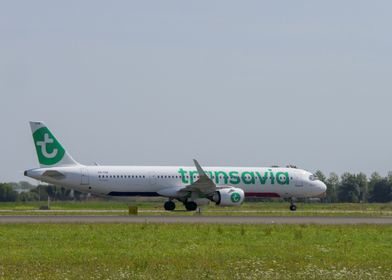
(363, 186)
(26, 185)
(349, 189)
(374, 178)
(332, 186)
(28, 196)
(7, 193)
(62, 193)
(321, 176)
(381, 191)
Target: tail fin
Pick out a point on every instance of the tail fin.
(49, 151)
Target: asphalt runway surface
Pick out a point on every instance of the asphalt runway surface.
(194, 219)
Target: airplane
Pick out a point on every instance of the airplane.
(191, 185)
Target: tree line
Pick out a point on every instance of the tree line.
(348, 187)
(24, 191)
(351, 187)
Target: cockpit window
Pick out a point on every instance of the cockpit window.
(313, 177)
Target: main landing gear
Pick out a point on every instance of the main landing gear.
(189, 205)
(169, 205)
(293, 207)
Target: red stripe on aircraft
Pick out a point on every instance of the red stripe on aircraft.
(259, 194)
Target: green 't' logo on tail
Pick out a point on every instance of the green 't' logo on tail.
(48, 148)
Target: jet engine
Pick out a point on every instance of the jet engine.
(229, 197)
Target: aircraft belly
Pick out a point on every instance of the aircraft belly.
(269, 190)
(108, 187)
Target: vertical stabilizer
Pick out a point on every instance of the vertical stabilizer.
(49, 151)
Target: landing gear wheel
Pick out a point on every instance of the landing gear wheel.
(169, 205)
(190, 206)
(293, 207)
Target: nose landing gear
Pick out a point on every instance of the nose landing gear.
(293, 207)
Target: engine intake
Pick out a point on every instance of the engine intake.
(229, 197)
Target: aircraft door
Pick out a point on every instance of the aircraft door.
(85, 180)
(152, 178)
(298, 180)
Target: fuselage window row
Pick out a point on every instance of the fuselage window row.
(122, 176)
(169, 177)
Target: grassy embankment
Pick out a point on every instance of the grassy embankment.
(159, 251)
(156, 208)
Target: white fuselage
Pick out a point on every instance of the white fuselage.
(165, 181)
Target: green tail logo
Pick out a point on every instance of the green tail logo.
(49, 150)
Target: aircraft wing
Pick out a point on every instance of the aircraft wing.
(203, 185)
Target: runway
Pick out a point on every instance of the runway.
(194, 219)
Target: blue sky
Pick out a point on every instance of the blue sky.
(243, 83)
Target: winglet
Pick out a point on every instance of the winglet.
(199, 169)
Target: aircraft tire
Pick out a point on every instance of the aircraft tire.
(169, 205)
(293, 207)
(190, 205)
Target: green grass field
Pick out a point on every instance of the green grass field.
(158, 204)
(156, 208)
(160, 251)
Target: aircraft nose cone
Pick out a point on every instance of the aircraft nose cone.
(323, 189)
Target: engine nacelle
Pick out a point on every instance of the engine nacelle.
(229, 197)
